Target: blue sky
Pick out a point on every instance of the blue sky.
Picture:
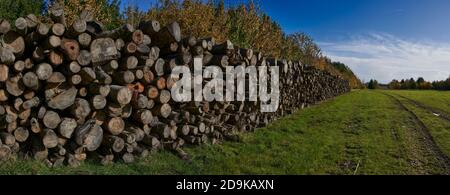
(382, 39)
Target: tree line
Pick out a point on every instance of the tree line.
(245, 24)
(420, 84)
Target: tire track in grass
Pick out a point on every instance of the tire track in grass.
(443, 159)
(434, 111)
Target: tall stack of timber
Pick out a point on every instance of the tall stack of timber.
(69, 92)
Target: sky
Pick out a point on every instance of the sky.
(377, 39)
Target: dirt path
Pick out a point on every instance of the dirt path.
(429, 109)
(444, 160)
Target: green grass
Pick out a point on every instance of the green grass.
(439, 100)
(363, 132)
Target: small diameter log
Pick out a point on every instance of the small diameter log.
(163, 110)
(115, 125)
(49, 138)
(120, 94)
(138, 132)
(35, 126)
(32, 21)
(4, 72)
(151, 141)
(51, 119)
(139, 101)
(14, 86)
(52, 42)
(5, 152)
(19, 66)
(80, 109)
(85, 40)
(63, 100)
(102, 90)
(143, 116)
(57, 78)
(103, 50)
(21, 26)
(5, 26)
(44, 71)
(6, 55)
(147, 40)
(55, 58)
(164, 97)
(7, 138)
(116, 143)
(129, 63)
(168, 34)
(31, 103)
(21, 134)
(79, 26)
(67, 127)
(15, 42)
(150, 27)
(98, 102)
(56, 12)
(84, 58)
(74, 67)
(58, 29)
(71, 48)
(137, 37)
(124, 77)
(90, 138)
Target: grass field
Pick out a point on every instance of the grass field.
(363, 132)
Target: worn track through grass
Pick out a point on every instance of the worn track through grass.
(441, 114)
(443, 159)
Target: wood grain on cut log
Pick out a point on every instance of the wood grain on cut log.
(163, 110)
(49, 138)
(103, 50)
(114, 142)
(6, 55)
(14, 86)
(84, 58)
(89, 136)
(21, 25)
(51, 119)
(77, 27)
(55, 58)
(31, 103)
(143, 116)
(115, 125)
(80, 109)
(67, 127)
(71, 48)
(15, 42)
(150, 27)
(120, 94)
(84, 40)
(56, 12)
(168, 34)
(151, 141)
(58, 29)
(21, 134)
(124, 77)
(98, 102)
(63, 100)
(4, 72)
(5, 26)
(52, 42)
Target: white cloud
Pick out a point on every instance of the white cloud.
(385, 57)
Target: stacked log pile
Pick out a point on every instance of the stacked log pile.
(69, 92)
